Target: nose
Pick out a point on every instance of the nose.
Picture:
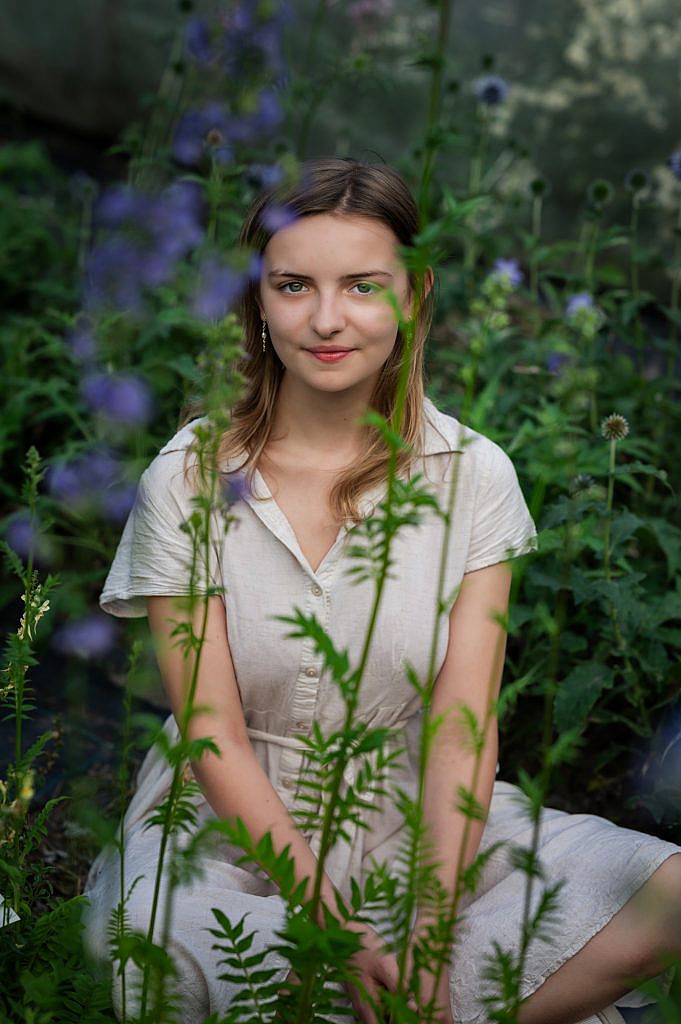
(328, 317)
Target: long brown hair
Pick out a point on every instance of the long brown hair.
(342, 187)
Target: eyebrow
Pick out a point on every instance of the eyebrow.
(346, 277)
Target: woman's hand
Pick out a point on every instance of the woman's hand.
(376, 969)
(431, 990)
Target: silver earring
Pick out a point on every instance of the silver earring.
(263, 335)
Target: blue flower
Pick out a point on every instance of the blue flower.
(121, 398)
(91, 636)
(274, 217)
(582, 300)
(197, 41)
(556, 361)
(235, 488)
(22, 535)
(510, 270)
(266, 176)
(219, 288)
(116, 502)
(140, 241)
(93, 482)
(191, 141)
(490, 89)
(674, 164)
(82, 343)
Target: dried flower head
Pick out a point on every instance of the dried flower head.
(614, 427)
(636, 181)
(490, 89)
(600, 192)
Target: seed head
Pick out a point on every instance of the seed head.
(637, 180)
(614, 427)
(490, 89)
(600, 192)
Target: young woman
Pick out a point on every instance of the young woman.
(322, 345)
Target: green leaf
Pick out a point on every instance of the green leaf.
(578, 692)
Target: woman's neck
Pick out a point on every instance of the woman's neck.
(319, 422)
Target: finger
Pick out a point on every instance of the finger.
(362, 1004)
(388, 973)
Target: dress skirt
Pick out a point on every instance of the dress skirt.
(600, 867)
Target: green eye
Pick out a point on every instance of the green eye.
(365, 287)
(293, 287)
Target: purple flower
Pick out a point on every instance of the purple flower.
(94, 481)
(509, 269)
(122, 398)
(266, 175)
(490, 89)
(197, 41)
(141, 240)
(80, 481)
(235, 488)
(581, 300)
(91, 636)
(275, 217)
(556, 361)
(65, 481)
(252, 35)
(22, 535)
(674, 164)
(191, 144)
(117, 501)
(219, 288)
(82, 343)
(261, 121)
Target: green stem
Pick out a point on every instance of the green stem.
(415, 850)
(536, 236)
(304, 1009)
(309, 63)
(674, 297)
(166, 104)
(608, 510)
(591, 247)
(475, 185)
(434, 107)
(196, 645)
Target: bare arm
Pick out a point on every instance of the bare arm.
(471, 676)
(234, 782)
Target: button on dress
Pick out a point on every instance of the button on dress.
(284, 690)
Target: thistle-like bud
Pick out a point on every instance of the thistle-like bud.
(614, 427)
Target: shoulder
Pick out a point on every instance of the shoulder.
(168, 469)
(446, 436)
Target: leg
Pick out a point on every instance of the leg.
(197, 989)
(637, 943)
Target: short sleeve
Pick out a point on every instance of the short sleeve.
(155, 554)
(502, 527)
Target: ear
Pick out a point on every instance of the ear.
(428, 281)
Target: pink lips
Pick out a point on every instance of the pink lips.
(330, 355)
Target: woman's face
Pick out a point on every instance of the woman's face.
(322, 292)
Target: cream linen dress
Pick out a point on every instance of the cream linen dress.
(284, 690)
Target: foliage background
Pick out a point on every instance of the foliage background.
(593, 652)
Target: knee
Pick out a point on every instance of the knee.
(183, 994)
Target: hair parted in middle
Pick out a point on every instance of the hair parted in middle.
(345, 188)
